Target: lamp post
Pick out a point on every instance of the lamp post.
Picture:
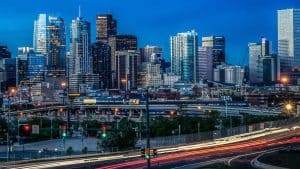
(11, 93)
(148, 128)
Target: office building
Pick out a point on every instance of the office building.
(56, 45)
(270, 66)
(204, 64)
(184, 48)
(11, 72)
(120, 43)
(217, 43)
(127, 69)
(150, 75)
(106, 26)
(151, 54)
(36, 67)
(102, 63)
(288, 38)
(81, 83)
(256, 52)
(4, 52)
(22, 64)
(80, 57)
(40, 34)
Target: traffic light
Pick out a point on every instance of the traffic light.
(64, 135)
(103, 132)
(143, 152)
(154, 152)
(26, 129)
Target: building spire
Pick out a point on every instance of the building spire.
(79, 11)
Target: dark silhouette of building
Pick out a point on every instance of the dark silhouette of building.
(102, 63)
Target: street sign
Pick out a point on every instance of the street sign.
(35, 129)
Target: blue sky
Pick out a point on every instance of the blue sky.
(153, 21)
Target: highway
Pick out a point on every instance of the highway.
(177, 156)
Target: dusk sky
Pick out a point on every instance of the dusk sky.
(154, 21)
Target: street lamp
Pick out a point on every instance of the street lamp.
(284, 80)
(289, 107)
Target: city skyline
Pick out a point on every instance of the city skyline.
(195, 17)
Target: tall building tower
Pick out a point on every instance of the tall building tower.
(81, 59)
(127, 69)
(102, 63)
(184, 47)
(204, 64)
(4, 52)
(120, 43)
(217, 43)
(22, 64)
(40, 34)
(106, 26)
(56, 45)
(257, 51)
(289, 38)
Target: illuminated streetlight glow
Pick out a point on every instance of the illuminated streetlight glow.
(289, 106)
(285, 80)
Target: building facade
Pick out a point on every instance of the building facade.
(257, 51)
(184, 48)
(204, 64)
(120, 43)
(127, 69)
(288, 38)
(106, 26)
(101, 54)
(217, 43)
(40, 34)
(56, 45)
(229, 74)
(80, 57)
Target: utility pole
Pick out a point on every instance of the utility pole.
(148, 129)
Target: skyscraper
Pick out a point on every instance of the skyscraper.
(4, 52)
(256, 52)
(56, 44)
(204, 64)
(184, 47)
(217, 43)
(270, 69)
(106, 26)
(10, 71)
(102, 63)
(120, 43)
(80, 58)
(289, 38)
(22, 64)
(40, 34)
(127, 69)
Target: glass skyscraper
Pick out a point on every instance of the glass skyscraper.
(80, 43)
(289, 38)
(56, 44)
(40, 34)
(184, 48)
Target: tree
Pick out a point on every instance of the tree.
(122, 138)
(70, 151)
